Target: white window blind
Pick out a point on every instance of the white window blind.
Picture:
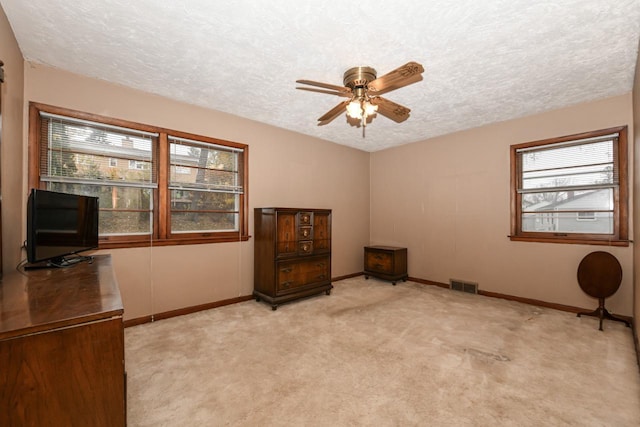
(81, 151)
(211, 167)
(206, 186)
(562, 183)
(83, 157)
(576, 165)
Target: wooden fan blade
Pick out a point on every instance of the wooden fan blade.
(401, 76)
(328, 92)
(333, 113)
(324, 85)
(390, 109)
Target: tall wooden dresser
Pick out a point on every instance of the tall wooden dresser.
(292, 254)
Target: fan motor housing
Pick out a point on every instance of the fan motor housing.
(359, 76)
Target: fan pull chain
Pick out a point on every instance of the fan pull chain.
(363, 120)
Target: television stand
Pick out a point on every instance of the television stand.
(62, 347)
(61, 262)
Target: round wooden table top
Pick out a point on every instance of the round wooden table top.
(599, 274)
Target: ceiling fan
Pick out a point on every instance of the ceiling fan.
(363, 88)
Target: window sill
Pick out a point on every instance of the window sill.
(117, 244)
(568, 240)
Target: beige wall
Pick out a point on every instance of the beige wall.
(285, 169)
(636, 190)
(447, 200)
(12, 147)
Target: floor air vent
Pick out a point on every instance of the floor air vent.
(459, 285)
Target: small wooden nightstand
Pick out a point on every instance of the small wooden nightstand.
(385, 262)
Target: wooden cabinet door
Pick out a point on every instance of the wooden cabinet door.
(286, 233)
(322, 231)
(1, 81)
(65, 377)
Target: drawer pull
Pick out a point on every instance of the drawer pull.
(379, 265)
(286, 270)
(286, 284)
(378, 257)
(321, 276)
(320, 264)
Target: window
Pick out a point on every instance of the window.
(182, 170)
(571, 189)
(586, 216)
(135, 164)
(156, 186)
(206, 198)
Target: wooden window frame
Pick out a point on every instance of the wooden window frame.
(161, 233)
(620, 235)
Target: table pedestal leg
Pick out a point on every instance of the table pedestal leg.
(602, 313)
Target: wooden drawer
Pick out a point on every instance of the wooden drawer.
(381, 262)
(305, 232)
(300, 273)
(304, 218)
(305, 247)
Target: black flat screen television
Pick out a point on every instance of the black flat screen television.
(59, 225)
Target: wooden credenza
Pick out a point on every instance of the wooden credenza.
(292, 254)
(62, 347)
(385, 262)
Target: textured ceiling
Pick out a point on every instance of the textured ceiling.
(485, 61)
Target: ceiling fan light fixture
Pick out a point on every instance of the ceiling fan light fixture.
(354, 109)
(361, 108)
(369, 108)
(359, 83)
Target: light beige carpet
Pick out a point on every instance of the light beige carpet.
(373, 354)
